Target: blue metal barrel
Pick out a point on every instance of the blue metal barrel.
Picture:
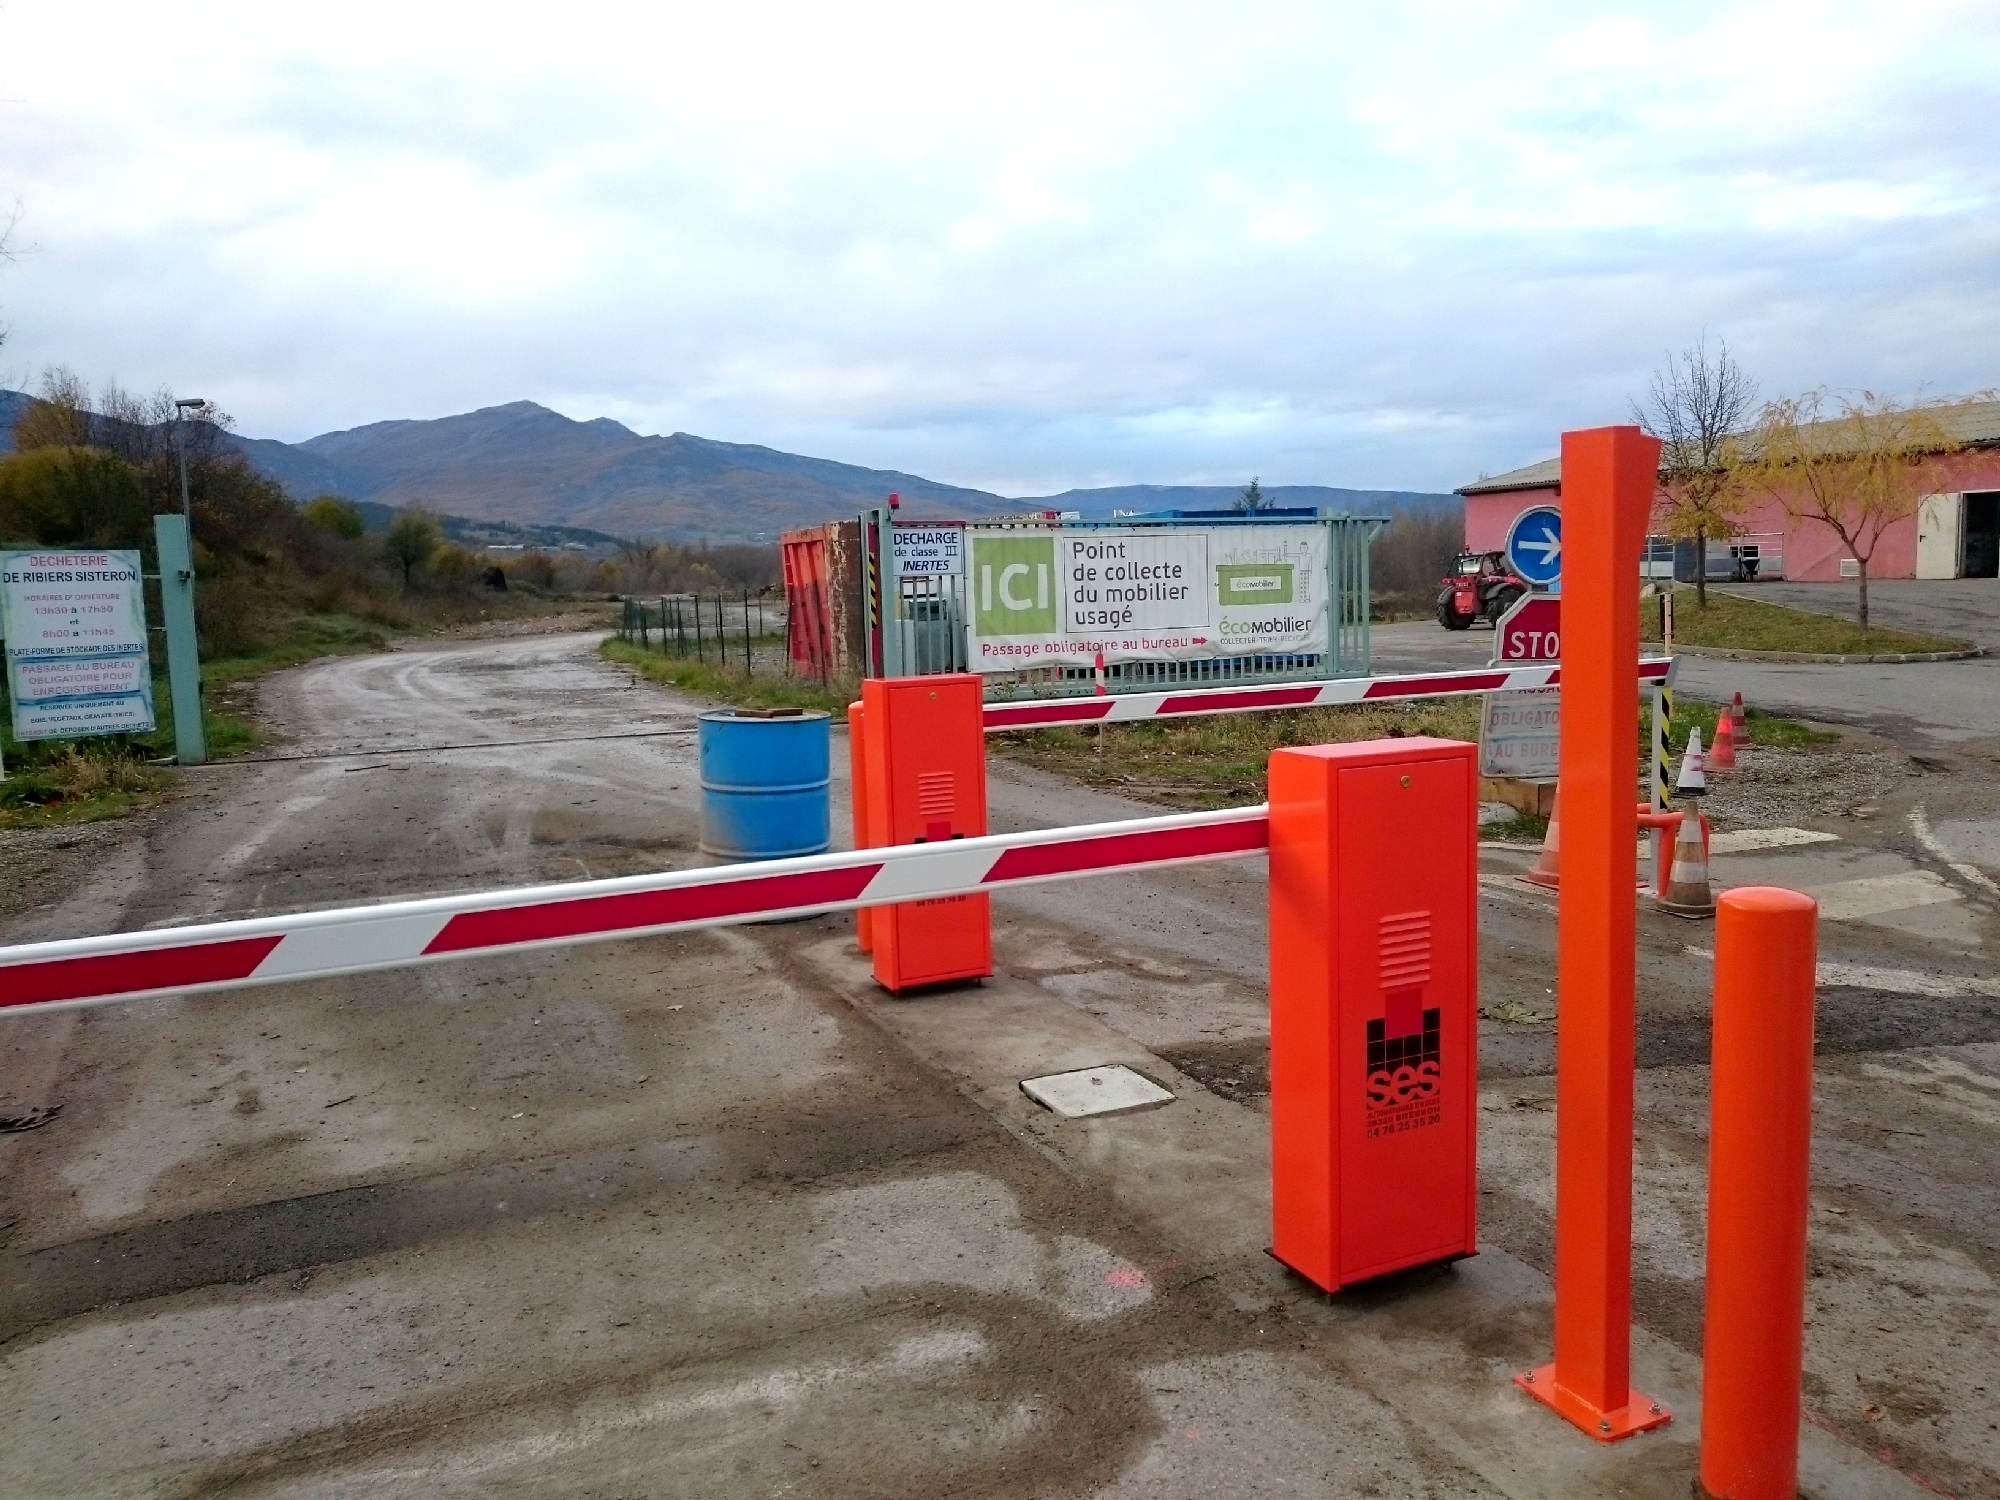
(764, 783)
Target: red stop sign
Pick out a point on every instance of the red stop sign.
(1531, 630)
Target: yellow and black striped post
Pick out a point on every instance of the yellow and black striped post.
(1663, 754)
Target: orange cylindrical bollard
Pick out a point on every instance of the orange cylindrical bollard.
(1759, 1147)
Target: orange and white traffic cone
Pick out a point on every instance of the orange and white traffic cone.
(1722, 754)
(1742, 724)
(1693, 780)
(1687, 893)
(1548, 863)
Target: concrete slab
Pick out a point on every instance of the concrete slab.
(1095, 1091)
(1874, 896)
(1748, 840)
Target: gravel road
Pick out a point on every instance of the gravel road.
(710, 1216)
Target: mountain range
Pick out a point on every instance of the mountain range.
(523, 465)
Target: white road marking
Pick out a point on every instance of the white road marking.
(1947, 1083)
(1921, 827)
(1746, 840)
(1891, 981)
(1877, 895)
(1905, 981)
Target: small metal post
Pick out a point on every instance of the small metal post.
(170, 536)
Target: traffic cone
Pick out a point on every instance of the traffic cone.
(1693, 780)
(1688, 894)
(1548, 862)
(1742, 724)
(1722, 754)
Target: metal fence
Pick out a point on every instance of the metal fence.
(707, 627)
(924, 617)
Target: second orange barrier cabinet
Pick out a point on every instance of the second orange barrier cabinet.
(924, 752)
(1374, 993)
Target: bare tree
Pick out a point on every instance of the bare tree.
(1858, 468)
(642, 560)
(1697, 408)
(9, 222)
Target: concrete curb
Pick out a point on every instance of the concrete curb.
(1821, 657)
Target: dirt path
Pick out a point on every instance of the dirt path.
(709, 1216)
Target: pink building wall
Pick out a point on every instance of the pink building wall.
(1811, 551)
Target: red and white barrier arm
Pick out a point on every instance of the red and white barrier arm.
(353, 940)
(1045, 713)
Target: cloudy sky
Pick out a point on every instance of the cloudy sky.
(1018, 246)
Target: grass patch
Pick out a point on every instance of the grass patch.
(1764, 729)
(82, 781)
(727, 684)
(76, 783)
(1521, 828)
(1218, 760)
(1734, 623)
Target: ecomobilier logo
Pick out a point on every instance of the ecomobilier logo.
(1253, 583)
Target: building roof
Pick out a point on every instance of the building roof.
(1975, 424)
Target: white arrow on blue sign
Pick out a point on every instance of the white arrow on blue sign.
(1535, 543)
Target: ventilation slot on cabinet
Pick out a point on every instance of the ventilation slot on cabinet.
(1403, 950)
(936, 795)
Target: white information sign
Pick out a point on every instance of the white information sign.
(1062, 597)
(928, 549)
(75, 628)
(1519, 734)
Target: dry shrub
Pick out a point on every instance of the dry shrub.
(79, 772)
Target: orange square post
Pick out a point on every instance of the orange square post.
(857, 800)
(926, 771)
(1609, 475)
(1374, 989)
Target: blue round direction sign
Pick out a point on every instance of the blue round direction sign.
(1535, 544)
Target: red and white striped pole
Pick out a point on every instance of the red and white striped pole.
(312, 945)
(1122, 708)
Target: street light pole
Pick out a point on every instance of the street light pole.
(181, 408)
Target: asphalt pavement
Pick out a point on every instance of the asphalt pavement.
(1914, 703)
(711, 1215)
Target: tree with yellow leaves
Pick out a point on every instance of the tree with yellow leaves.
(1855, 465)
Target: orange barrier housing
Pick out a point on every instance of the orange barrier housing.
(925, 766)
(1608, 479)
(857, 800)
(1759, 1150)
(1374, 988)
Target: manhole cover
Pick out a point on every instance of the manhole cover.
(1094, 1091)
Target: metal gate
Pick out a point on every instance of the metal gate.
(925, 616)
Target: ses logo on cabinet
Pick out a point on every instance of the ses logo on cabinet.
(1144, 593)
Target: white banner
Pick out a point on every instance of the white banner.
(1059, 597)
(75, 628)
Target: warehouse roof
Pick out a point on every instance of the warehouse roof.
(1975, 424)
